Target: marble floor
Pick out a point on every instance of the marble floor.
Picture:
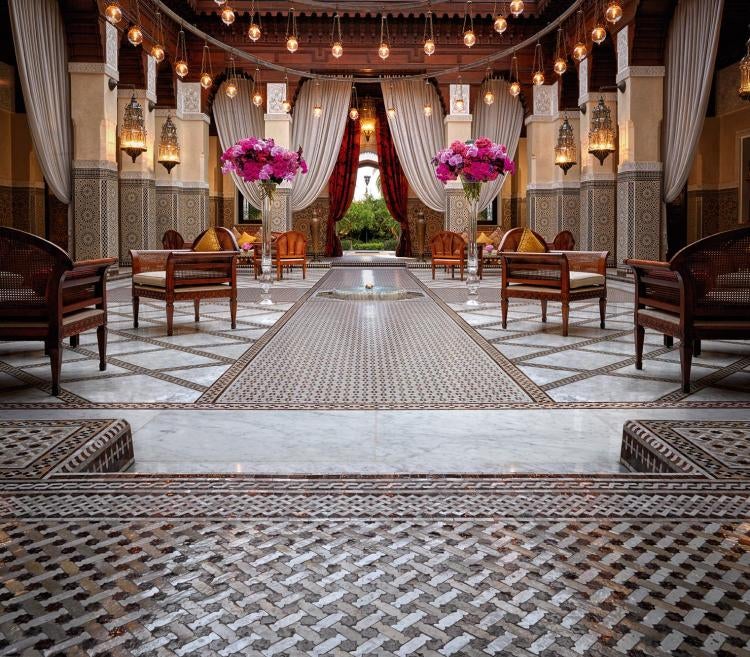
(579, 390)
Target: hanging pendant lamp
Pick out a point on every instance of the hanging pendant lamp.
(133, 131)
(169, 147)
(601, 134)
(565, 151)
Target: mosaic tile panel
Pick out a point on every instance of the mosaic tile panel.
(192, 217)
(639, 223)
(22, 207)
(457, 211)
(167, 209)
(715, 210)
(717, 449)
(355, 355)
(598, 217)
(569, 212)
(137, 230)
(542, 208)
(33, 449)
(95, 212)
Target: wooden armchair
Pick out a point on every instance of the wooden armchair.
(562, 276)
(448, 250)
(291, 250)
(184, 276)
(703, 292)
(564, 241)
(173, 240)
(46, 296)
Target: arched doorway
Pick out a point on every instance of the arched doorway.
(367, 224)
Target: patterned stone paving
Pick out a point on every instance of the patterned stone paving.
(712, 449)
(392, 354)
(40, 448)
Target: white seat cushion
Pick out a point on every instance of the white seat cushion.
(152, 278)
(585, 279)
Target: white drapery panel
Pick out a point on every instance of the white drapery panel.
(417, 137)
(39, 37)
(501, 122)
(691, 52)
(237, 118)
(320, 138)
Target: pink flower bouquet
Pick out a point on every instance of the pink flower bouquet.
(262, 161)
(474, 163)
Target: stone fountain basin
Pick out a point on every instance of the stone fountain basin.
(374, 294)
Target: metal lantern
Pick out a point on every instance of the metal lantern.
(538, 78)
(516, 7)
(292, 36)
(429, 34)
(744, 88)
(169, 147)
(113, 12)
(565, 151)
(254, 31)
(337, 43)
(384, 49)
(469, 37)
(367, 119)
(133, 131)
(601, 134)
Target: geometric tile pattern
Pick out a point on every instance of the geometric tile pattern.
(639, 224)
(399, 587)
(371, 354)
(598, 218)
(41, 448)
(716, 449)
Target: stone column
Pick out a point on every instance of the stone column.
(279, 128)
(640, 226)
(95, 183)
(457, 126)
(137, 186)
(542, 186)
(222, 200)
(569, 185)
(598, 198)
(192, 217)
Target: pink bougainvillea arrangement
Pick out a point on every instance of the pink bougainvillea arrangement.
(473, 162)
(262, 161)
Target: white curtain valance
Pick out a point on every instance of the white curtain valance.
(501, 122)
(39, 38)
(691, 53)
(320, 138)
(237, 118)
(417, 137)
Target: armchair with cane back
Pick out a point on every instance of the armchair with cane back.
(448, 250)
(46, 296)
(703, 292)
(174, 276)
(174, 241)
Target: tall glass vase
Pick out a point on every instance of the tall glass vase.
(266, 263)
(472, 254)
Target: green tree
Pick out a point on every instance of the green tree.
(368, 221)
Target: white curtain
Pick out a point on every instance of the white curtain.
(320, 138)
(501, 122)
(237, 118)
(39, 37)
(417, 137)
(691, 52)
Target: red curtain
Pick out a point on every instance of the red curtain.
(341, 185)
(393, 183)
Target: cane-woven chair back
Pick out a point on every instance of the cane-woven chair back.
(31, 269)
(564, 241)
(715, 272)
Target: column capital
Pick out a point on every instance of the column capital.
(457, 118)
(640, 72)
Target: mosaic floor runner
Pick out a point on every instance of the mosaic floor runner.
(622, 565)
(409, 353)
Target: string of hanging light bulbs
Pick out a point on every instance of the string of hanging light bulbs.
(481, 62)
